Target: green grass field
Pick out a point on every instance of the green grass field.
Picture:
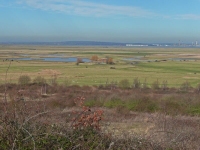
(153, 68)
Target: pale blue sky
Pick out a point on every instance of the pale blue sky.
(102, 20)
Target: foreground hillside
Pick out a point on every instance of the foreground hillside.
(37, 116)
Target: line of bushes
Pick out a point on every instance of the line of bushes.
(169, 101)
(123, 84)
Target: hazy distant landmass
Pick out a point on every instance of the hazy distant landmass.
(96, 43)
(69, 43)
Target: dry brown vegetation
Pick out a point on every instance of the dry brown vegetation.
(132, 118)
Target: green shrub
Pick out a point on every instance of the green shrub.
(155, 85)
(93, 103)
(173, 107)
(131, 105)
(194, 109)
(146, 105)
(114, 103)
(24, 80)
(124, 84)
(39, 80)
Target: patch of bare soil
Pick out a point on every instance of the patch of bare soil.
(49, 72)
(190, 55)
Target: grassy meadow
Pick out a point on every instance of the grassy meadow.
(155, 64)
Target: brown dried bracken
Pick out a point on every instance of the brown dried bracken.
(86, 118)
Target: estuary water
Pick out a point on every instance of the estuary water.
(54, 59)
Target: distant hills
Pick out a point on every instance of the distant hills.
(91, 43)
(69, 43)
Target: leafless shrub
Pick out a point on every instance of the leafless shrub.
(53, 80)
(79, 60)
(136, 83)
(155, 85)
(144, 84)
(39, 80)
(185, 86)
(198, 87)
(24, 80)
(164, 85)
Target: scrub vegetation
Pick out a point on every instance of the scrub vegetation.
(133, 105)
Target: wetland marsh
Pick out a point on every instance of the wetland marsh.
(176, 65)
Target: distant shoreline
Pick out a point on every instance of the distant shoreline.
(103, 44)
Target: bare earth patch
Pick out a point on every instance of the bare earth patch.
(190, 55)
(49, 72)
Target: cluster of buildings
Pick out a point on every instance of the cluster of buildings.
(179, 44)
(195, 43)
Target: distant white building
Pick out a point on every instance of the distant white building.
(135, 45)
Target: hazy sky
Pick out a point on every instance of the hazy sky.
(100, 20)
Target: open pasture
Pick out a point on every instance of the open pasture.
(175, 65)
